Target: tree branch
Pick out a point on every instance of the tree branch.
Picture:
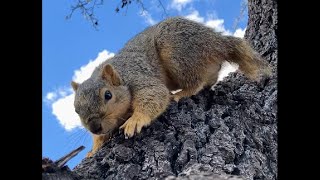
(163, 8)
(87, 9)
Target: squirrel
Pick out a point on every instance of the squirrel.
(130, 90)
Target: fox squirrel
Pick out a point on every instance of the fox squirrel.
(132, 89)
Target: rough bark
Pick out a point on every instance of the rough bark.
(229, 130)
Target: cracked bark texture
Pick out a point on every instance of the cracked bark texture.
(231, 130)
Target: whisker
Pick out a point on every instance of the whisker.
(75, 138)
(87, 133)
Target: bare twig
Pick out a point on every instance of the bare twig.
(163, 8)
(142, 5)
(50, 167)
(87, 9)
(62, 161)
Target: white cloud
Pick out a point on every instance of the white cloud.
(61, 100)
(147, 17)
(195, 16)
(218, 25)
(63, 109)
(239, 32)
(214, 22)
(85, 71)
(51, 96)
(179, 4)
(54, 95)
(211, 21)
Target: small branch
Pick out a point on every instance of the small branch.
(163, 8)
(87, 8)
(62, 161)
(142, 5)
(50, 166)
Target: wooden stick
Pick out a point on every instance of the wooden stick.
(62, 161)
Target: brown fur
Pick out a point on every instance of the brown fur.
(173, 54)
(98, 141)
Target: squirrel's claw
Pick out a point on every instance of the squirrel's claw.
(129, 128)
(134, 124)
(89, 154)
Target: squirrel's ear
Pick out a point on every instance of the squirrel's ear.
(74, 85)
(110, 75)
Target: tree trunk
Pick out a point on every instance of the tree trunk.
(229, 130)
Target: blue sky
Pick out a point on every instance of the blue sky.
(72, 48)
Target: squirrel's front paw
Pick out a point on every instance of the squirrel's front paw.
(89, 154)
(135, 124)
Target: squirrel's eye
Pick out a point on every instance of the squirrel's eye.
(107, 95)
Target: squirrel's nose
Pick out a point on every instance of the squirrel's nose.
(95, 128)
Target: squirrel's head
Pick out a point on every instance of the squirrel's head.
(102, 102)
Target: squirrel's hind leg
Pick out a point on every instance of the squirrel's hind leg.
(187, 92)
(209, 80)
